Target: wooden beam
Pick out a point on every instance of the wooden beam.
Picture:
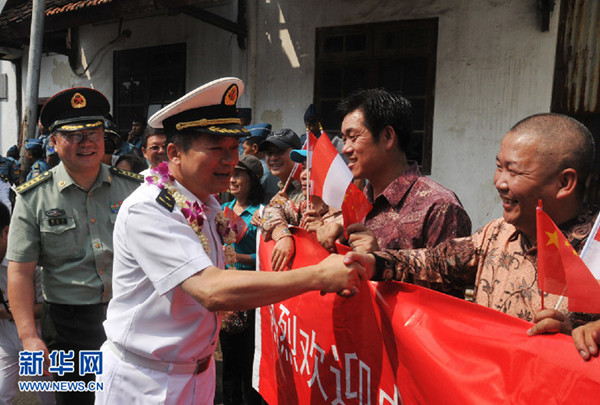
(239, 28)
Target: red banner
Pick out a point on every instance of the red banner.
(398, 343)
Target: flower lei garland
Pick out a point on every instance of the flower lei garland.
(194, 212)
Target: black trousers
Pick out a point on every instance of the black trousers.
(73, 327)
(238, 355)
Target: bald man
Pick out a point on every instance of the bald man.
(545, 156)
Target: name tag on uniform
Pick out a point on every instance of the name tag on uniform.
(57, 221)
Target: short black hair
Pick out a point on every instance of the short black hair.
(381, 108)
(183, 140)
(139, 118)
(253, 140)
(137, 164)
(257, 192)
(148, 132)
(4, 216)
(36, 153)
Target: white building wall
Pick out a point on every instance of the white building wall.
(494, 67)
(9, 121)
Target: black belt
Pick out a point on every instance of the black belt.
(77, 308)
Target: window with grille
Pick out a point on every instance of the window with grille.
(146, 79)
(398, 55)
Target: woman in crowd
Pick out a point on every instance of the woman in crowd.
(237, 332)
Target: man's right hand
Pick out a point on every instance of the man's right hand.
(365, 260)
(338, 275)
(130, 136)
(34, 344)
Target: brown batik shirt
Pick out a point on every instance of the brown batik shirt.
(415, 212)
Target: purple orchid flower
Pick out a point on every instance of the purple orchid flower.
(194, 213)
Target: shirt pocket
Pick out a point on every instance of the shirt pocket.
(59, 237)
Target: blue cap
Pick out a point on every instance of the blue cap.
(33, 144)
(298, 155)
(260, 130)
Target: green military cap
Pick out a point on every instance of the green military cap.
(208, 109)
(75, 109)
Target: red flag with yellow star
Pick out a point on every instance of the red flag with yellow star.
(560, 269)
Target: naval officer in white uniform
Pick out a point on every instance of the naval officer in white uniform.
(168, 284)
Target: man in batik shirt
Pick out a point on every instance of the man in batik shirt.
(410, 211)
(543, 157)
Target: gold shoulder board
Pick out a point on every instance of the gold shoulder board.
(165, 199)
(129, 175)
(33, 182)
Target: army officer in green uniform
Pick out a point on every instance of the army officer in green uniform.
(63, 220)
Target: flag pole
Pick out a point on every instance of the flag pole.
(287, 182)
(542, 292)
(560, 300)
(308, 167)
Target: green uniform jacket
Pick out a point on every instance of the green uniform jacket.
(68, 231)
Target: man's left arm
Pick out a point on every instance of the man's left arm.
(449, 265)
(446, 221)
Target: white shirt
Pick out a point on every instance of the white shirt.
(5, 194)
(9, 338)
(154, 252)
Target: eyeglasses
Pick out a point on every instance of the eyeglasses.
(155, 148)
(76, 137)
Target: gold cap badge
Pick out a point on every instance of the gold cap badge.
(78, 101)
(231, 95)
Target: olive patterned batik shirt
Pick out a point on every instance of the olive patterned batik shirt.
(498, 260)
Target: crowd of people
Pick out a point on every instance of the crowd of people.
(144, 245)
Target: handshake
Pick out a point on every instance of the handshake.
(343, 274)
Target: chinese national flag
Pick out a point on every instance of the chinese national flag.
(355, 206)
(560, 269)
(236, 223)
